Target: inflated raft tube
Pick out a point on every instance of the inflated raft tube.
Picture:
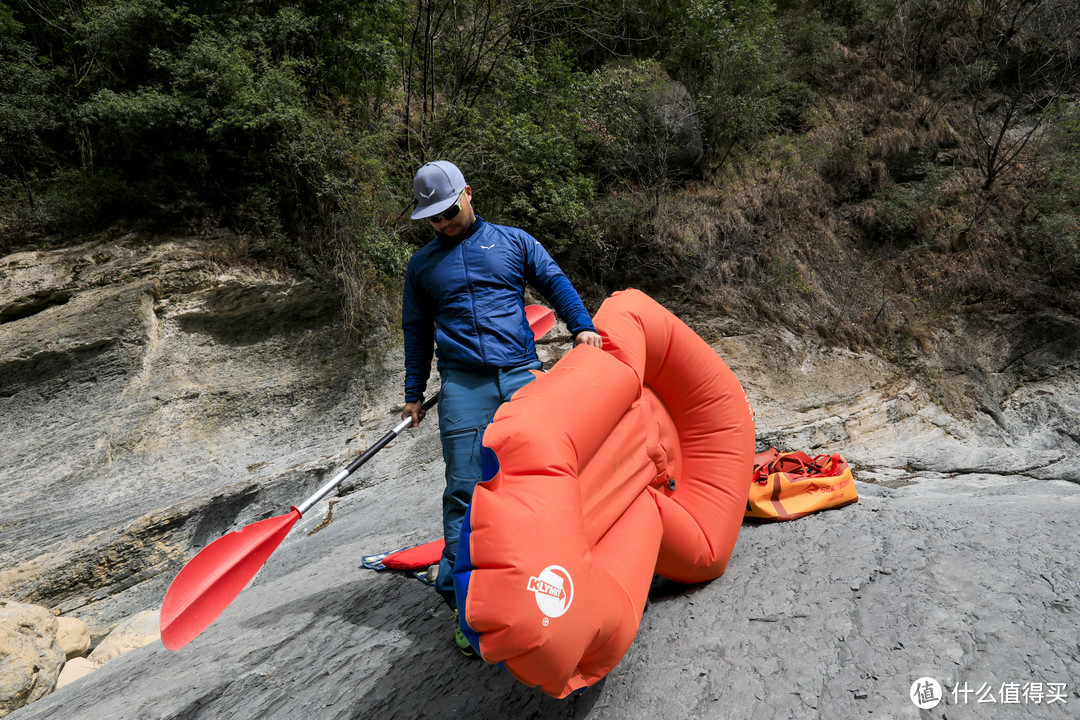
(614, 465)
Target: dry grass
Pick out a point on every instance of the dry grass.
(786, 235)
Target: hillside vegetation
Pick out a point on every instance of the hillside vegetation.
(863, 169)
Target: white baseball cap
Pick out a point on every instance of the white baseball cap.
(436, 187)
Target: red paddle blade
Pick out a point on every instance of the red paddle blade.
(541, 319)
(216, 575)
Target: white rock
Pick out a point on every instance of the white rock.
(75, 669)
(130, 634)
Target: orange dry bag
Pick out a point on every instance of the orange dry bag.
(792, 484)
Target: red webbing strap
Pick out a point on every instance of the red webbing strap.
(799, 464)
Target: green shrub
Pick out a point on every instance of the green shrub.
(894, 220)
(1051, 228)
(815, 49)
(794, 101)
(787, 272)
(845, 155)
(644, 128)
(855, 12)
(30, 112)
(727, 53)
(906, 215)
(73, 201)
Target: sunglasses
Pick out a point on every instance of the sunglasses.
(449, 214)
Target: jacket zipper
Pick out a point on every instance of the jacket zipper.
(472, 300)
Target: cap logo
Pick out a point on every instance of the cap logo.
(429, 194)
(553, 589)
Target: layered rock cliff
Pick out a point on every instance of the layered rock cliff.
(153, 398)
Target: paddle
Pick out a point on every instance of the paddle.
(215, 576)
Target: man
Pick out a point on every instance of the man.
(464, 295)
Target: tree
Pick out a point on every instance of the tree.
(458, 49)
(1007, 61)
(29, 112)
(727, 53)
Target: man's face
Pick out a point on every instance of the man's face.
(455, 226)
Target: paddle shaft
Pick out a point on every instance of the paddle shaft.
(355, 464)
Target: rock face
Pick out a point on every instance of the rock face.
(168, 400)
(137, 378)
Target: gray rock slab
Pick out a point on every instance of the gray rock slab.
(831, 616)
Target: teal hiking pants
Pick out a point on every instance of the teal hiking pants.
(467, 403)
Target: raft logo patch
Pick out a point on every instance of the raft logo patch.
(554, 590)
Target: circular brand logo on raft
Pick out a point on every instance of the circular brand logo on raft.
(554, 590)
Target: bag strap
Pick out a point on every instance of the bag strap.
(762, 462)
(793, 463)
(799, 464)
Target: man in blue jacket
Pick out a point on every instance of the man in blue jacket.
(465, 297)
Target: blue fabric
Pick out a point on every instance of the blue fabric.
(467, 403)
(462, 572)
(465, 299)
(463, 567)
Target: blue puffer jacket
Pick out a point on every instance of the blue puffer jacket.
(467, 298)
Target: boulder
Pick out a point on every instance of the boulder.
(30, 654)
(673, 113)
(74, 637)
(132, 633)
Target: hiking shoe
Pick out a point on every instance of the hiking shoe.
(459, 638)
(432, 573)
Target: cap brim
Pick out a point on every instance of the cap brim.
(426, 211)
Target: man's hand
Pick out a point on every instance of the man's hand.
(415, 411)
(586, 337)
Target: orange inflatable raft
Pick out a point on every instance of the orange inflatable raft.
(615, 465)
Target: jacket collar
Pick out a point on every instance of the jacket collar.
(476, 227)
